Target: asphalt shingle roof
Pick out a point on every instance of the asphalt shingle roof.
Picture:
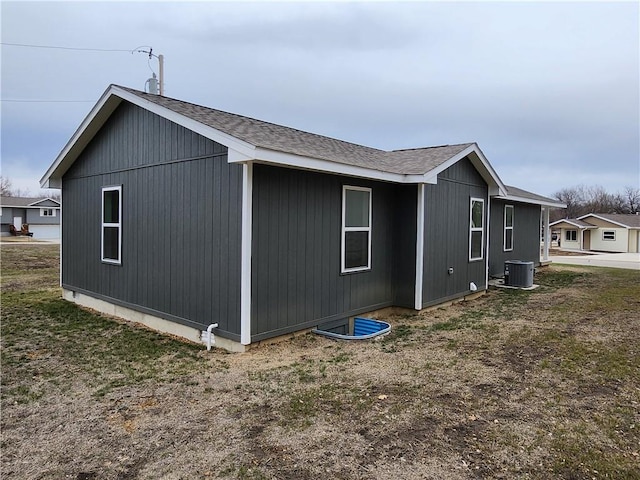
(518, 192)
(19, 201)
(290, 140)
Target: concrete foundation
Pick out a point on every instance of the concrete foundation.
(155, 323)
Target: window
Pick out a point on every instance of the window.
(47, 212)
(356, 229)
(476, 229)
(112, 224)
(508, 228)
(571, 236)
(609, 235)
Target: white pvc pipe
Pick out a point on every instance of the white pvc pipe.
(210, 335)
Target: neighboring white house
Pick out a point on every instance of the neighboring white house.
(602, 232)
(41, 214)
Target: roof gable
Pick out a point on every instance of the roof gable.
(620, 220)
(29, 202)
(249, 139)
(574, 222)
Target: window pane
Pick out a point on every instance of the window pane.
(476, 244)
(357, 208)
(508, 239)
(508, 217)
(110, 245)
(111, 204)
(356, 249)
(476, 214)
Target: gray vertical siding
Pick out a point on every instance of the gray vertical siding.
(181, 214)
(296, 279)
(9, 212)
(526, 235)
(447, 234)
(34, 218)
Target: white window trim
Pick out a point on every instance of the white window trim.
(476, 229)
(608, 239)
(44, 210)
(345, 229)
(117, 188)
(566, 234)
(504, 243)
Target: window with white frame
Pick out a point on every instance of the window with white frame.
(47, 212)
(508, 228)
(571, 236)
(112, 224)
(356, 229)
(476, 229)
(609, 235)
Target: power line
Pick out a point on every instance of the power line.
(18, 100)
(26, 45)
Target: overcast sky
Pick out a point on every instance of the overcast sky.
(549, 91)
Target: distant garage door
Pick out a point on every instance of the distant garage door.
(45, 232)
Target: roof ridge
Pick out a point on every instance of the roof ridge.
(433, 146)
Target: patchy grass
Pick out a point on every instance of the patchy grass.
(516, 384)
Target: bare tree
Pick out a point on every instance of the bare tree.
(582, 200)
(574, 198)
(5, 187)
(631, 196)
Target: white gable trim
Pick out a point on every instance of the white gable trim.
(581, 227)
(101, 112)
(35, 204)
(480, 162)
(604, 220)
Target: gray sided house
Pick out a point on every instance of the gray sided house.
(517, 221)
(182, 217)
(41, 214)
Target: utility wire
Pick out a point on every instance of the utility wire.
(65, 48)
(17, 100)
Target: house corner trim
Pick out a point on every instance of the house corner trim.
(419, 247)
(245, 262)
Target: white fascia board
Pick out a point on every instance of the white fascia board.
(603, 219)
(496, 187)
(514, 198)
(289, 160)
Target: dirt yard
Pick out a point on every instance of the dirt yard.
(515, 385)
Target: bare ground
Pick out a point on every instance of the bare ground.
(540, 384)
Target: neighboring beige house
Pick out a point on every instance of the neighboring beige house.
(601, 232)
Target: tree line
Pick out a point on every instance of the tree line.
(7, 190)
(582, 200)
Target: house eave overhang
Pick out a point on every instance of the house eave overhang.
(289, 160)
(532, 201)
